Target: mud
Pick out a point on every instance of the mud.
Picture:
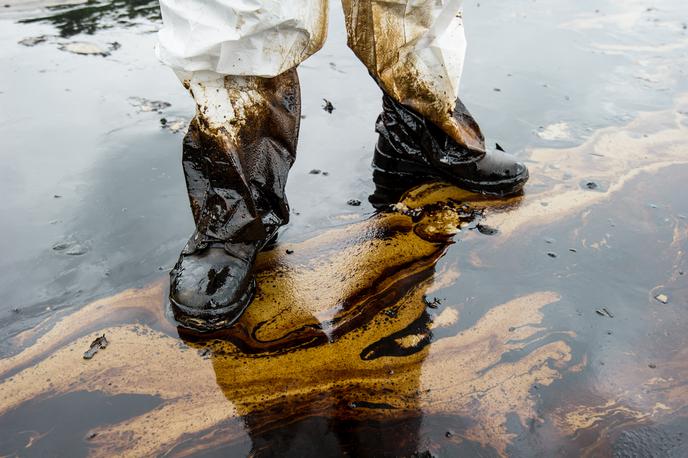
(394, 332)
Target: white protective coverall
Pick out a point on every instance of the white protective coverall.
(413, 48)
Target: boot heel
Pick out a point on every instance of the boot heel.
(391, 185)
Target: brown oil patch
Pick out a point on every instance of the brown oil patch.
(345, 329)
(609, 159)
(340, 327)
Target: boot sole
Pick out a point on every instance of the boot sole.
(392, 172)
(213, 319)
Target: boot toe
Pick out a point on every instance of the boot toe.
(496, 173)
(210, 289)
(498, 166)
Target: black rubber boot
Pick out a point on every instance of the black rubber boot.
(236, 189)
(412, 150)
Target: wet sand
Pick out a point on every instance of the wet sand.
(535, 329)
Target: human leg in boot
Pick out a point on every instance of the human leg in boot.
(415, 52)
(235, 172)
(238, 61)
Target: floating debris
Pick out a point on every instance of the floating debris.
(146, 105)
(390, 313)
(604, 312)
(328, 106)
(289, 251)
(174, 125)
(594, 185)
(552, 254)
(486, 230)
(315, 172)
(498, 147)
(556, 132)
(353, 202)
(59, 246)
(70, 248)
(433, 304)
(100, 343)
(663, 298)
(33, 41)
(76, 250)
(652, 366)
(85, 48)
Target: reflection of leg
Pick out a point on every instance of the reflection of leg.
(238, 60)
(415, 49)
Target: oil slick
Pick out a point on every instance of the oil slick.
(353, 343)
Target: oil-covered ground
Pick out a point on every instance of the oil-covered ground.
(550, 324)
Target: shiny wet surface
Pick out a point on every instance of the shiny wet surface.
(380, 334)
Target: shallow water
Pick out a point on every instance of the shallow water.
(545, 338)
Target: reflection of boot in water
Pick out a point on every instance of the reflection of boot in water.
(334, 403)
(237, 154)
(412, 150)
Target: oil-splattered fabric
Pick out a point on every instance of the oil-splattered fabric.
(413, 48)
(240, 37)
